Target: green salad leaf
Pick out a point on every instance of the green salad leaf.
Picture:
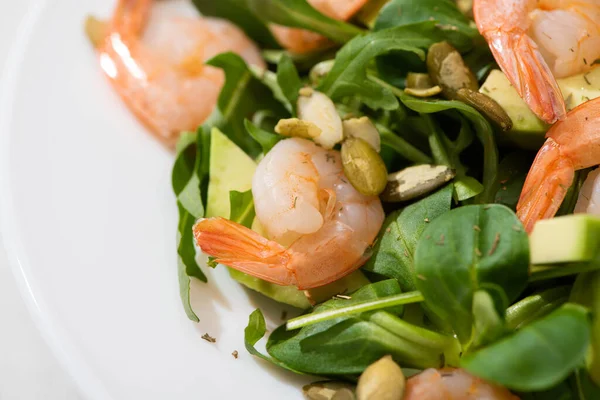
(322, 348)
(242, 207)
(289, 80)
(266, 139)
(242, 95)
(540, 355)
(393, 253)
(238, 12)
(348, 77)
(483, 131)
(255, 330)
(300, 14)
(586, 291)
(454, 25)
(471, 248)
(189, 180)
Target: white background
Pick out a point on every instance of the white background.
(28, 370)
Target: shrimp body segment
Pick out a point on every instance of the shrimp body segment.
(155, 61)
(320, 226)
(571, 145)
(302, 41)
(453, 384)
(537, 41)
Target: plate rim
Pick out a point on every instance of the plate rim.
(87, 384)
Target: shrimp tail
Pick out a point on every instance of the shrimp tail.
(243, 249)
(522, 62)
(546, 185)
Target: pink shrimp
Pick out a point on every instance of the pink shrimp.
(155, 62)
(571, 145)
(453, 384)
(537, 41)
(303, 41)
(320, 224)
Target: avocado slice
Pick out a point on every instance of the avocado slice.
(232, 169)
(580, 88)
(570, 238)
(528, 130)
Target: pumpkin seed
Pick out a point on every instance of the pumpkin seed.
(294, 127)
(413, 182)
(363, 167)
(418, 80)
(329, 390)
(448, 70)
(487, 106)
(382, 380)
(318, 109)
(364, 129)
(429, 92)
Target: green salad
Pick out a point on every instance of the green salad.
(406, 99)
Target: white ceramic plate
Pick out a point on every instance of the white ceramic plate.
(88, 219)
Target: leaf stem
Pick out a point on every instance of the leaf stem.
(356, 308)
(401, 146)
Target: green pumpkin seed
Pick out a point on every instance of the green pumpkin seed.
(418, 80)
(294, 127)
(487, 106)
(413, 182)
(382, 380)
(448, 70)
(363, 167)
(329, 390)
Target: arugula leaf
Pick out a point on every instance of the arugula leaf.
(189, 179)
(300, 14)
(348, 77)
(467, 249)
(401, 146)
(255, 331)
(242, 95)
(455, 26)
(369, 340)
(242, 207)
(538, 356)
(266, 139)
(483, 131)
(452, 26)
(238, 12)
(289, 80)
(393, 253)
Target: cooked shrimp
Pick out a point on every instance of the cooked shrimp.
(588, 201)
(453, 384)
(536, 41)
(571, 145)
(159, 69)
(319, 224)
(303, 41)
